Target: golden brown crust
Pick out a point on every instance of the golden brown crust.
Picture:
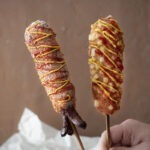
(50, 65)
(105, 60)
(53, 73)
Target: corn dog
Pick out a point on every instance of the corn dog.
(106, 64)
(51, 67)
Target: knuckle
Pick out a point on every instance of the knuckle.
(104, 133)
(129, 122)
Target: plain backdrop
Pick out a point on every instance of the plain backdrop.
(71, 20)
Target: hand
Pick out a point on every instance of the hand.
(129, 135)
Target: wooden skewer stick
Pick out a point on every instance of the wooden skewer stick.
(108, 131)
(77, 136)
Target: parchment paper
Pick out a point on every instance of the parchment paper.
(33, 134)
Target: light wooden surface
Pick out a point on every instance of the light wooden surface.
(71, 20)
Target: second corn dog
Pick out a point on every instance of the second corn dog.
(105, 60)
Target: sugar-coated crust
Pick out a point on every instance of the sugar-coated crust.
(50, 64)
(105, 60)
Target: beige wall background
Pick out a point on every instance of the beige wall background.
(71, 20)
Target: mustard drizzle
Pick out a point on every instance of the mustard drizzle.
(101, 85)
(102, 67)
(61, 102)
(52, 71)
(112, 62)
(107, 36)
(106, 24)
(108, 49)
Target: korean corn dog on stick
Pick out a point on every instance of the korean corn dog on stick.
(51, 67)
(105, 61)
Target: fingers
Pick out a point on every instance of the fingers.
(103, 141)
(116, 136)
(123, 134)
(142, 146)
(120, 134)
(128, 134)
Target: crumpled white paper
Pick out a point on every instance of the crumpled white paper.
(36, 135)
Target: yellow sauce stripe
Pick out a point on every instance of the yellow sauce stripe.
(52, 71)
(114, 71)
(42, 46)
(63, 101)
(109, 35)
(42, 33)
(53, 92)
(111, 77)
(29, 47)
(41, 38)
(54, 48)
(49, 61)
(109, 24)
(109, 50)
(45, 35)
(106, 92)
(46, 53)
(55, 82)
(104, 84)
(103, 70)
(106, 56)
(108, 38)
(47, 46)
